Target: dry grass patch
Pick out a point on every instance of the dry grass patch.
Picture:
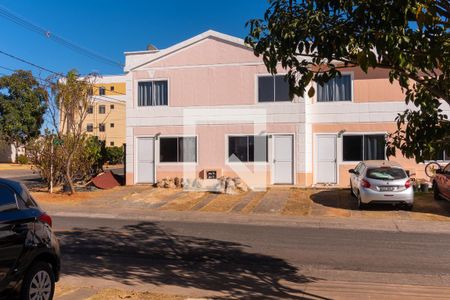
(78, 197)
(255, 201)
(6, 166)
(115, 294)
(223, 203)
(298, 204)
(185, 201)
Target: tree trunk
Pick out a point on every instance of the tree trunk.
(16, 150)
(69, 175)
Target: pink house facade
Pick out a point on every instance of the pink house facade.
(207, 107)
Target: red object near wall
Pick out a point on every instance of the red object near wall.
(105, 181)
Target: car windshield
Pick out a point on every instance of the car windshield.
(384, 173)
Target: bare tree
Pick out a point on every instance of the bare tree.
(71, 96)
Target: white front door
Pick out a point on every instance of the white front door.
(145, 160)
(283, 159)
(326, 158)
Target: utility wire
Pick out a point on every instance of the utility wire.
(9, 15)
(47, 81)
(42, 68)
(30, 63)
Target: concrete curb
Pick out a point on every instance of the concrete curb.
(412, 226)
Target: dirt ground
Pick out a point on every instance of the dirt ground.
(113, 294)
(7, 166)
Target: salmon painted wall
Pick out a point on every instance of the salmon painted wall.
(409, 164)
(211, 148)
(206, 52)
(208, 73)
(373, 86)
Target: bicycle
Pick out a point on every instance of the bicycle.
(431, 167)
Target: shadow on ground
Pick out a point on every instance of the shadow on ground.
(146, 253)
(341, 198)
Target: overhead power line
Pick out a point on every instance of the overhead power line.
(47, 70)
(9, 15)
(47, 81)
(30, 63)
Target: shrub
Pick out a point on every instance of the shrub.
(47, 155)
(22, 159)
(114, 155)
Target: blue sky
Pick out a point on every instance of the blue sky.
(112, 27)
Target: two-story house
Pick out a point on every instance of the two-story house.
(208, 107)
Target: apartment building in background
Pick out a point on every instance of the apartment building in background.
(208, 105)
(106, 117)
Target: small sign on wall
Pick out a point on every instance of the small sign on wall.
(211, 174)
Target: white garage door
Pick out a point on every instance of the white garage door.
(145, 160)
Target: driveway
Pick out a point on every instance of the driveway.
(291, 202)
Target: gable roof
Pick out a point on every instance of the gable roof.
(155, 55)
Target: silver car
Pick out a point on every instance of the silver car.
(380, 181)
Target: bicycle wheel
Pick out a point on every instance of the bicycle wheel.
(431, 167)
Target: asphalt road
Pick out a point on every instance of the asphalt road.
(247, 259)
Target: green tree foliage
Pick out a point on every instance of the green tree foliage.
(313, 39)
(47, 154)
(23, 102)
(114, 155)
(71, 98)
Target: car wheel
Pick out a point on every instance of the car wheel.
(360, 203)
(39, 282)
(351, 189)
(436, 194)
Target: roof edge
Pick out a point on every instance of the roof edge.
(187, 43)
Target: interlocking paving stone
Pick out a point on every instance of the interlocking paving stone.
(205, 201)
(273, 201)
(166, 200)
(243, 202)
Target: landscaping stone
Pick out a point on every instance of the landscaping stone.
(196, 184)
(230, 187)
(242, 187)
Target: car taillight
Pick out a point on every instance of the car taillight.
(365, 183)
(44, 218)
(408, 184)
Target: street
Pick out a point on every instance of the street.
(269, 262)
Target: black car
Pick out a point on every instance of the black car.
(29, 251)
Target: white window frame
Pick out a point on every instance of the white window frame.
(439, 161)
(151, 80)
(352, 91)
(257, 76)
(227, 154)
(158, 148)
(340, 149)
